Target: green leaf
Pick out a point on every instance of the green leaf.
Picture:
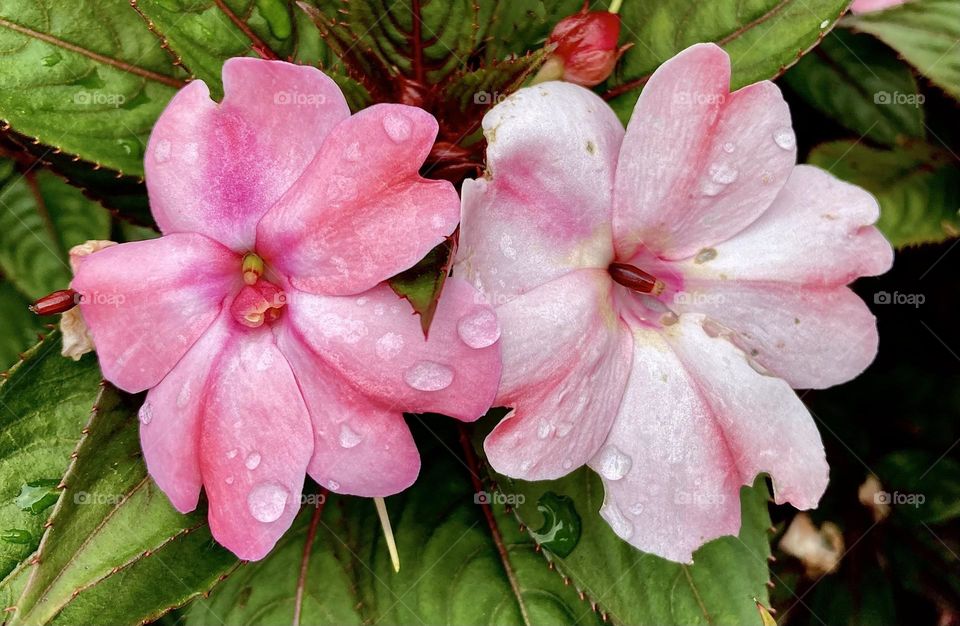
(918, 187)
(85, 76)
(859, 83)
(117, 551)
(763, 37)
(422, 284)
(489, 85)
(44, 404)
(20, 326)
(521, 25)
(723, 585)
(925, 32)
(43, 218)
(452, 571)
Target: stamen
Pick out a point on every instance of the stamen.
(252, 268)
(56, 302)
(388, 533)
(636, 279)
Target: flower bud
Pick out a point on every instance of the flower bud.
(585, 50)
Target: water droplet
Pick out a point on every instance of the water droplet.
(37, 496)
(525, 465)
(560, 532)
(253, 461)
(824, 24)
(348, 436)
(479, 329)
(231, 453)
(620, 524)
(613, 463)
(389, 346)
(544, 429)
(428, 376)
(16, 535)
(785, 138)
(397, 125)
(636, 508)
(266, 502)
(333, 485)
(564, 428)
(51, 59)
(341, 189)
(567, 464)
(146, 413)
(507, 247)
(228, 480)
(729, 148)
(162, 151)
(722, 174)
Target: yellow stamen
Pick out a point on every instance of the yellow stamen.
(252, 268)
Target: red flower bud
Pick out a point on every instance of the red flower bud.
(56, 302)
(586, 47)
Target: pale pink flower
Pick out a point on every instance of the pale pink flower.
(679, 396)
(260, 373)
(868, 6)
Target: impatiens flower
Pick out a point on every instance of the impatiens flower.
(661, 290)
(260, 322)
(868, 6)
(585, 47)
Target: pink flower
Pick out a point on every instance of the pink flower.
(868, 6)
(260, 322)
(660, 291)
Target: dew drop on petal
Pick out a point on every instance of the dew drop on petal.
(162, 151)
(389, 345)
(146, 413)
(613, 463)
(722, 174)
(567, 464)
(253, 461)
(397, 125)
(184, 396)
(231, 453)
(228, 480)
(333, 485)
(428, 376)
(564, 428)
(479, 329)
(620, 524)
(785, 138)
(348, 436)
(636, 508)
(544, 429)
(353, 152)
(266, 502)
(729, 148)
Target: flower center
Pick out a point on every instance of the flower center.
(259, 300)
(636, 279)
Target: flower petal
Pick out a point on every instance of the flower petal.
(698, 163)
(546, 198)
(375, 343)
(811, 337)
(170, 419)
(363, 446)
(255, 444)
(566, 357)
(216, 168)
(362, 213)
(817, 232)
(147, 302)
(696, 423)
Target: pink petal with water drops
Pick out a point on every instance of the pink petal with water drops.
(375, 341)
(543, 209)
(170, 419)
(698, 422)
(147, 302)
(362, 446)
(815, 211)
(216, 168)
(255, 444)
(362, 213)
(566, 357)
(698, 163)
